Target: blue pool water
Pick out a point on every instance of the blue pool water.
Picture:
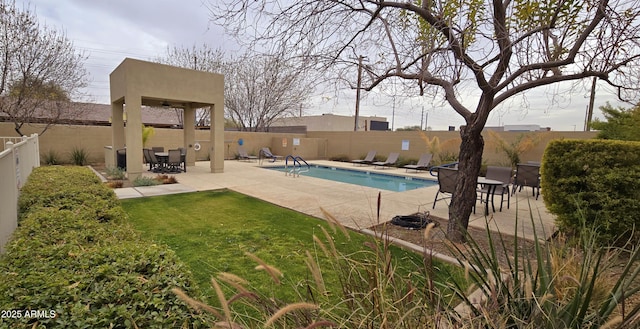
(365, 178)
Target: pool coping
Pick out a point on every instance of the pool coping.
(431, 182)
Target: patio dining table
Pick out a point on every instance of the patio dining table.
(491, 185)
(163, 158)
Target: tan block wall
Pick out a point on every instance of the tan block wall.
(356, 144)
(313, 145)
(93, 139)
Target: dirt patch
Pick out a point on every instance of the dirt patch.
(438, 242)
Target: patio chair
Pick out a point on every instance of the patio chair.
(367, 160)
(423, 163)
(447, 184)
(265, 152)
(391, 160)
(157, 149)
(174, 161)
(183, 158)
(243, 155)
(154, 164)
(527, 175)
(502, 174)
(147, 159)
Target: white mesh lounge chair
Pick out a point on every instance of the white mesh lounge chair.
(391, 160)
(423, 163)
(265, 153)
(367, 160)
(243, 155)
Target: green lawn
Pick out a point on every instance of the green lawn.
(211, 231)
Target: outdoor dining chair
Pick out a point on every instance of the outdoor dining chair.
(183, 158)
(148, 159)
(527, 175)
(502, 174)
(447, 185)
(174, 161)
(154, 164)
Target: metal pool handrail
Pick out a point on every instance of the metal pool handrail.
(295, 170)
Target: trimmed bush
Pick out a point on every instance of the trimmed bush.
(74, 257)
(594, 181)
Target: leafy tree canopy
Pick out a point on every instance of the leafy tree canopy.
(621, 123)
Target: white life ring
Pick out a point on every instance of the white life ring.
(196, 147)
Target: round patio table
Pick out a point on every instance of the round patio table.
(491, 185)
(163, 158)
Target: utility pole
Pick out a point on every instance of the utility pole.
(393, 113)
(355, 125)
(426, 121)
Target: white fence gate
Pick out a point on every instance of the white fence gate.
(18, 159)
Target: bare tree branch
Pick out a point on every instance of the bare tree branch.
(40, 70)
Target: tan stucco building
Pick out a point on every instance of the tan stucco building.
(333, 122)
(135, 83)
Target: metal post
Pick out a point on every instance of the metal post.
(355, 125)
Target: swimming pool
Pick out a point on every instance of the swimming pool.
(365, 178)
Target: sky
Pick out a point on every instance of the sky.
(108, 31)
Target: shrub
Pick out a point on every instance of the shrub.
(340, 157)
(67, 188)
(166, 179)
(445, 157)
(115, 173)
(554, 285)
(115, 184)
(79, 156)
(92, 273)
(594, 181)
(51, 158)
(145, 181)
(402, 161)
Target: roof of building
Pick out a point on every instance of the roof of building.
(100, 114)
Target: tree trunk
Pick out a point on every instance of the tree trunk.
(464, 196)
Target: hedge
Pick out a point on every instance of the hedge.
(597, 181)
(77, 263)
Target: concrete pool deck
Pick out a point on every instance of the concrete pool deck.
(354, 206)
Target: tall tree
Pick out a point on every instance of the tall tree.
(259, 88)
(493, 50)
(40, 70)
(621, 123)
(202, 58)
